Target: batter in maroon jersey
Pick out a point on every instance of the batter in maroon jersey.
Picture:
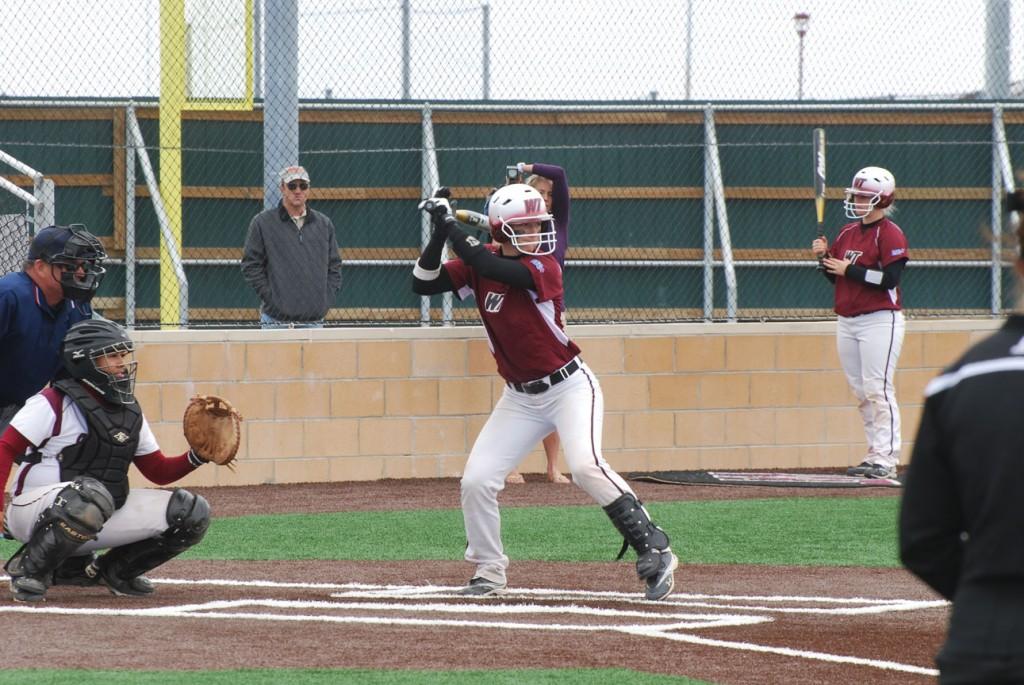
(865, 264)
(517, 284)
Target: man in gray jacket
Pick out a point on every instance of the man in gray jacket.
(291, 258)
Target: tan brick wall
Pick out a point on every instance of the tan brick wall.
(358, 404)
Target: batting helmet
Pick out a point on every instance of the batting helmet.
(99, 354)
(874, 183)
(517, 204)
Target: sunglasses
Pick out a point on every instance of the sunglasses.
(298, 185)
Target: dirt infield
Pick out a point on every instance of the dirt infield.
(725, 624)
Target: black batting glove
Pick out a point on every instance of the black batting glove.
(440, 211)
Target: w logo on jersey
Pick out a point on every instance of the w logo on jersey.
(493, 302)
(532, 205)
(852, 255)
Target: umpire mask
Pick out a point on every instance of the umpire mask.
(78, 255)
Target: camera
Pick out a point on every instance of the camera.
(512, 172)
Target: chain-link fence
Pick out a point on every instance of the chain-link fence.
(685, 129)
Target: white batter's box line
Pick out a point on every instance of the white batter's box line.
(681, 621)
(874, 606)
(560, 595)
(219, 610)
(892, 606)
(370, 590)
(787, 651)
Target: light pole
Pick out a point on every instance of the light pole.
(801, 21)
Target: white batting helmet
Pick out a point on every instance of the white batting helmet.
(874, 183)
(517, 204)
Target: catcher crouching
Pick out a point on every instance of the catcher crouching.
(70, 499)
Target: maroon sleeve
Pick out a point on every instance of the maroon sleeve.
(458, 272)
(12, 445)
(547, 276)
(161, 469)
(892, 245)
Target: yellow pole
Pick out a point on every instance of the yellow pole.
(172, 99)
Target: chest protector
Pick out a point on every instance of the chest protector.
(107, 450)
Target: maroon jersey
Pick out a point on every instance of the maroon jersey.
(873, 247)
(524, 327)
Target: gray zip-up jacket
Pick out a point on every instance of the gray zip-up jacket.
(295, 272)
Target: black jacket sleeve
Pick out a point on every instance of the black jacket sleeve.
(930, 523)
(488, 264)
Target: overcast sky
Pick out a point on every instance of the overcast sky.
(539, 49)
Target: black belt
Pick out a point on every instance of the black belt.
(542, 384)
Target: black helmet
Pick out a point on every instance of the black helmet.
(71, 246)
(85, 343)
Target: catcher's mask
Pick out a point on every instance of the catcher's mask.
(78, 255)
(517, 204)
(101, 356)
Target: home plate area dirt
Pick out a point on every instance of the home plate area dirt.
(724, 624)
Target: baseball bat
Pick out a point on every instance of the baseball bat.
(819, 182)
(471, 218)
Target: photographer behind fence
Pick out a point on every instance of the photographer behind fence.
(39, 304)
(291, 258)
(551, 182)
(963, 500)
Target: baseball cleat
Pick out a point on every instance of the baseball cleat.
(139, 586)
(869, 470)
(27, 589)
(481, 587)
(659, 585)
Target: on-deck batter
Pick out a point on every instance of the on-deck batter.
(865, 264)
(517, 283)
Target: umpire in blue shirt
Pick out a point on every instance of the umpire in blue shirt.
(38, 304)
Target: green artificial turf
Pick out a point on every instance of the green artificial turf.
(805, 531)
(332, 677)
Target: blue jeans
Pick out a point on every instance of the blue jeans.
(267, 321)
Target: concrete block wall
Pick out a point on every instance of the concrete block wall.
(363, 404)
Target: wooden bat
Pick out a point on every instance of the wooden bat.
(818, 138)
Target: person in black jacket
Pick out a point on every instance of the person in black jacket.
(961, 522)
(291, 258)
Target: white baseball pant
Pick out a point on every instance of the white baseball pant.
(869, 347)
(143, 516)
(575, 408)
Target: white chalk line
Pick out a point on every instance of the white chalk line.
(660, 630)
(784, 651)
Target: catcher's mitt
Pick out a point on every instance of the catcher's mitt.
(213, 429)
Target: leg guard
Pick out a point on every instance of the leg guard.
(121, 568)
(76, 516)
(655, 561)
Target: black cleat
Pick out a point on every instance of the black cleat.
(139, 586)
(28, 589)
